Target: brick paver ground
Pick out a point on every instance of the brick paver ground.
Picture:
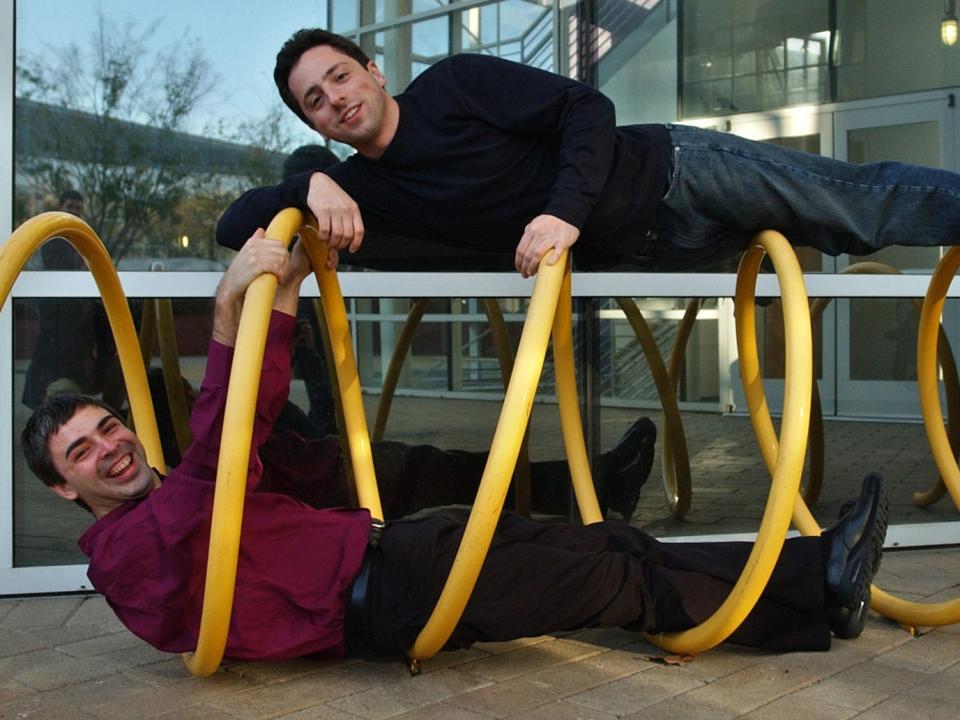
(68, 657)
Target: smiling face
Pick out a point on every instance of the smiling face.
(101, 461)
(343, 100)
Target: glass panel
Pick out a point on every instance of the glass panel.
(65, 345)
(917, 143)
(887, 47)
(755, 41)
(152, 117)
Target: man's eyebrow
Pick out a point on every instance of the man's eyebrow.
(80, 440)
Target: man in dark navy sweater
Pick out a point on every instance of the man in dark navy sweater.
(485, 154)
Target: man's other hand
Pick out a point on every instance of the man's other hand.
(543, 233)
(338, 217)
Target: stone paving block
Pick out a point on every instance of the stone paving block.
(95, 611)
(715, 663)
(530, 659)
(136, 655)
(861, 686)
(562, 710)
(681, 707)
(439, 711)
(10, 689)
(43, 612)
(6, 607)
(495, 648)
(100, 645)
(269, 672)
(943, 686)
(507, 698)
(900, 707)
(46, 669)
(318, 712)
(753, 687)
(151, 701)
(16, 642)
(626, 695)
(929, 653)
(796, 708)
(39, 707)
(66, 634)
(451, 658)
(278, 698)
(198, 712)
(403, 696)
(96, 692)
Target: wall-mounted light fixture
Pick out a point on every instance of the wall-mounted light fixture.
(949, 26)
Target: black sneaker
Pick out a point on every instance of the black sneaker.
(853, 550)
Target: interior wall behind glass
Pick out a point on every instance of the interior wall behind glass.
(749, 55)
(885, 47)
(640, 75)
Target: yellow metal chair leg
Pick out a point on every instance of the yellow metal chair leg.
(784, 458)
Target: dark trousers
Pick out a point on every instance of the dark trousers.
(541, 578)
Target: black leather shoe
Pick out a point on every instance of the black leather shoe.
(854, 547)
(621, 489)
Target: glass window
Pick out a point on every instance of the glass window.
(146, 121)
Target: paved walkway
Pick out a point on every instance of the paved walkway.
(67, 657)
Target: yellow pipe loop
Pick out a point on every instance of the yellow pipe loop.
(172, 375)
(13, 256)
(569, 405)
(348, 380)
(400, 350)
(522, 492)
(951, 383)
(233, 461)
(787, 464)
(500, 463)
(676, 484)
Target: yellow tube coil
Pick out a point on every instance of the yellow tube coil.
(786, 465)
(13, 256)
(348, 380)
(500, 463)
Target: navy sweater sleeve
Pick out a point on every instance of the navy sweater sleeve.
(256, 208)
(574, 117)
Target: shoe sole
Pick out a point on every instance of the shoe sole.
(861, 575)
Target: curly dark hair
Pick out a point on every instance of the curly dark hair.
(297, 45)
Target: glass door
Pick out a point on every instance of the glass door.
(876, 344)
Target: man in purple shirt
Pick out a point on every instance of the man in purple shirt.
(310, 581)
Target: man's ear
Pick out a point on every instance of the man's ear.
(375, 71)
(65, 491)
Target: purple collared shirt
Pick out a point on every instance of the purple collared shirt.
(148, 557)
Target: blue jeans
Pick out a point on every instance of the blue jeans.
(723, 189)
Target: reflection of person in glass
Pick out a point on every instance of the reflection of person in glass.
(74, 351)
(301, 459)
(327, 580)
(479, 151)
